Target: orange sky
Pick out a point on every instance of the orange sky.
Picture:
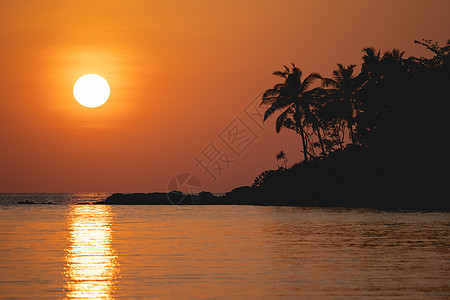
(180, 73)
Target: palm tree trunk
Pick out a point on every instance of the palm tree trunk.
(305, 146)
(350, 121)
(298, 120)
(320, 140)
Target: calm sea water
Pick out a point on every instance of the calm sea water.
(181, 252)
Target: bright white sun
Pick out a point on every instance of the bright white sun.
(91, 90)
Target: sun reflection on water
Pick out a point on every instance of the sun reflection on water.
(91, 261)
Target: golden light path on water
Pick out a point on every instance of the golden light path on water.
(91, 262)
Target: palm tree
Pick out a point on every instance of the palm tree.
(281, 155)
(394, 63)
(394, 55)
(371, 69)
(342, 94)
(293, 99)
(383, 76)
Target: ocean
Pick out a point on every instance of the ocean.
(70, 251)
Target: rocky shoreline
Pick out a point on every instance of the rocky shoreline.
(354, 178)
(240, 196)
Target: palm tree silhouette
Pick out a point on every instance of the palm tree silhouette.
(342, 94)
(294, 98)
(393, 63)
(394, 55)
(281, 155)
(371, 69)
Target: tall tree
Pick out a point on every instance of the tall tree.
(293, 99)
(371, 69)
(342, 94)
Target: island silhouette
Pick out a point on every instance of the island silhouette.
(377, 138)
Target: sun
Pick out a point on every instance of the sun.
(91, 90)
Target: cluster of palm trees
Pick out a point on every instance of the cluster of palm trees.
(350, 107)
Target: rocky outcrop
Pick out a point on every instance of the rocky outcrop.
(239, 196)
(356, 177)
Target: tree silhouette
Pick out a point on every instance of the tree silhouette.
(342, 95)
(396, 113)
(282, 156)
(376, 106)
(371, 67)
(293, 97)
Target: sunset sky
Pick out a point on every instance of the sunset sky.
(183, 75)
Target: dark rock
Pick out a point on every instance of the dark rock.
(243, 195)
(26, 202)
(207, 198)
(139, 199)
(177, 198)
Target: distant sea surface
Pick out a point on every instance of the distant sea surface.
(241, 252)
(55, 198)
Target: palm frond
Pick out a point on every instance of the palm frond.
(308, 81)
(279, 73)
(328, 82)
(370, 51)
(371, 55)
(394, 54)
(277, 105)
(279, 86)
(268, 101)
(280, 155)
(271, 93)
(296, 72)
(340, 67)
(281, 118)
(429, 45)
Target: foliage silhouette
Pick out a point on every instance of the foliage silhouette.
(367, 102)
(294, 98)
(396, 113)
(396, 116)
(282, 156)
(341, 97)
